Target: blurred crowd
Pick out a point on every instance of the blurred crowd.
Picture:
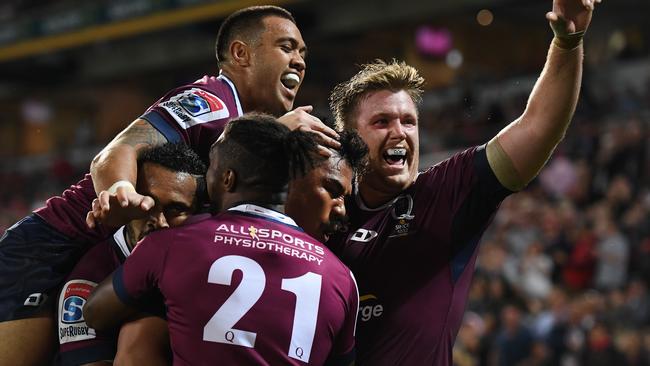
(563, 272)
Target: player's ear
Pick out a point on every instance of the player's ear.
(229, 180)
(240, 53)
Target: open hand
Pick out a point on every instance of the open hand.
(301, 119)
(117, 209)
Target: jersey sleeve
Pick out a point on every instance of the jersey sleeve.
(467, 194)
(464, 179)
(143, 269)
(78, 343)
(190, 114)
(343, 350)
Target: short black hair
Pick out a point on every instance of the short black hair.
(353, 150)
(264, 153)
(175, 156)
(180, 158)
(245, 24)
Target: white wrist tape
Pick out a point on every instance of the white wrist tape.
(118, 184)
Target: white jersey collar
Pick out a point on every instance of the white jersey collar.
(264, 212)
(234, 92)
(120, 239)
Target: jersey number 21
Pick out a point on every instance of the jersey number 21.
(220, 327)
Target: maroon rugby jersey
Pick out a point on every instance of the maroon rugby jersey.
(80, 344)
(246, 287)
(195, 114)
(414, 258)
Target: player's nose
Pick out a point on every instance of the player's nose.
(397, 130)
(338, 209)
(159, 220)
(298, 62)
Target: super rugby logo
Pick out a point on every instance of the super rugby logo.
(195, 106)
(199, 102)
(72, 311)
(72, 326)
(74, 297)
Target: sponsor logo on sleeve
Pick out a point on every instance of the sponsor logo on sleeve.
(195, 106)
(72, 326)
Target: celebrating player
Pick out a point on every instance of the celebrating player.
(412, 241)
(246, 286)
(173, 175)
(260, 52)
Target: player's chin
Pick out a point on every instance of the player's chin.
(397, 182)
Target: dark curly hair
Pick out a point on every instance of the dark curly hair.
(264, 153)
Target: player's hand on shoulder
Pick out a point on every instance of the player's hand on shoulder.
(301, 119)
(114, 208)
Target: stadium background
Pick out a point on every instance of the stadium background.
(564, 269)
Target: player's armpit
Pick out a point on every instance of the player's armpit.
(104, 309)
(502, 166)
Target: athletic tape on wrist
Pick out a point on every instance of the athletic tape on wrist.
(569, 41)
(118, 184)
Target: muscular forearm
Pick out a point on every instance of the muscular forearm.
(114, 163)
(118, 160)
(529, 141)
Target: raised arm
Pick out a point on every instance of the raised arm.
(114, 171)
(522, 148)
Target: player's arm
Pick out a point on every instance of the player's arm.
(522, 148)
(114, 171)
(104, 309)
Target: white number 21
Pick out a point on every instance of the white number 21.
(220, 327)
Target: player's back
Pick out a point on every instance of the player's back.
(242, 288)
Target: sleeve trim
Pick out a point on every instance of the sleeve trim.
(159, 123)
(119, 288)
(502, 166)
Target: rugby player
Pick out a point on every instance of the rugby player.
(413, 238)
(173, 175)
(260, 52)
(247, 286)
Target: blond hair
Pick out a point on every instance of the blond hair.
(379, 75)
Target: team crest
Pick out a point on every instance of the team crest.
(402, 212)
(195, 106)
(72, 326)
